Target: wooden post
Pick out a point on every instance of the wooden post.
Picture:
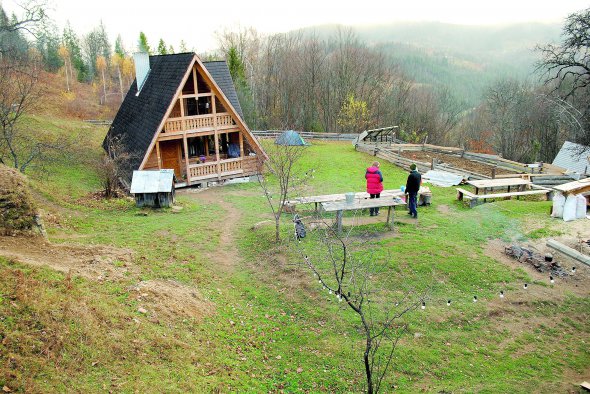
(242, 154)
(186, 162)
(195, 79)
(182, 125)
(339, 221)
(214, 111)
(494, 173)
(432, 164)
(158, 155)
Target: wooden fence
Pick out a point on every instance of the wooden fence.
(308, 135)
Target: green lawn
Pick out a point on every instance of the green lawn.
(273, 328)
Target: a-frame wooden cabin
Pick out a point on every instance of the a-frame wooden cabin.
(185, 116)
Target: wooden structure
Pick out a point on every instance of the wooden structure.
(340, 206)
(392, 152)
(153, 188)
(487, 186)
(424, 193)
(183, 114)
(576, 187)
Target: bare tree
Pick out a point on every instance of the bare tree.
(20, 146)
(566, 67)
(286, 178)
(113, 165)
(33, 12)
(346, 271)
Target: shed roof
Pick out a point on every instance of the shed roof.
(158, 181)
(140, 115)
(574, 157)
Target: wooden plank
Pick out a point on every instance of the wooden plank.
(464, 193)
(512, 194)
(575, 187)
(390, 193)
(585, 385)
(569, 251)
(501, 182)
(360, 204)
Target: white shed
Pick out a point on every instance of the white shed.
(153, 188)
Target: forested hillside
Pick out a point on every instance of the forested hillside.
(467, 59)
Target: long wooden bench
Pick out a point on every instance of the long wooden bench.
(475, 199)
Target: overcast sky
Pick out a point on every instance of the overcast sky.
(195, 21)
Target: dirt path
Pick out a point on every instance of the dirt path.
(226, 256)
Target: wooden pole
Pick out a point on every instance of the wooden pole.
(186, 162)
(582, 258)
(214, 111)
(158, 155)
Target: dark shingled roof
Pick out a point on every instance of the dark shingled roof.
(139, 116)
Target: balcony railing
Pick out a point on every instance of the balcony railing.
(240, 165)
(197, 122)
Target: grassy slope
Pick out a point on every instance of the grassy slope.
(271, 319)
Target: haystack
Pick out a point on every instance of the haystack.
(18, 215)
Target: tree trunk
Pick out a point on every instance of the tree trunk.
(277, 222)
(368, 365)
(120, 83)
(104, 88)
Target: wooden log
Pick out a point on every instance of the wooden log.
(582, 258)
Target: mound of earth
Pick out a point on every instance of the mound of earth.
(170, 299)
(18, 214)
(97, 262)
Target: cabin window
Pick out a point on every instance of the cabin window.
(189, 86)
(190, 107)
(219, 107)
(204, 105)
(202, 86)
(196, 146)
(211, 144)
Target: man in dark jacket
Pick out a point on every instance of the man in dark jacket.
(412, 188)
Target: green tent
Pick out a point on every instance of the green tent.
(290, 137)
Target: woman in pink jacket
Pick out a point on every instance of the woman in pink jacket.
(374, 184)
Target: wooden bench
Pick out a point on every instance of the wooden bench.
(475, 199)
(340, 206)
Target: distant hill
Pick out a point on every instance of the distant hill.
(466, 58)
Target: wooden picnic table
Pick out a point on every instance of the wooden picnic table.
(340, 206)
(485, 184)
(390, 193)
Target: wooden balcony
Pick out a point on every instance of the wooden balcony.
(199, 122)
(240, 166)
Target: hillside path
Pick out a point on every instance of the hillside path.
(226, 256)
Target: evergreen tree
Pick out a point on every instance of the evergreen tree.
(171, 49)
(119, 48)
(235, 65)
(72, 43)
(48, 43)
(183, 47)
(10, 40)
(143, 45)
(162, 48)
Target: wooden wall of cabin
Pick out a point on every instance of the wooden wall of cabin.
(152, 161)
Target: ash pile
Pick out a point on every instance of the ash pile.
(541, 263)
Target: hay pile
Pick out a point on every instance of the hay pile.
(18, 215)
